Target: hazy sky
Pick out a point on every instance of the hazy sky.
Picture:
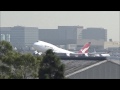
(52, 19)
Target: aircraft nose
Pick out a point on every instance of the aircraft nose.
(35, 44)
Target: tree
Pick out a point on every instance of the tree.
(22, 66)
(26, 66)
(51, 67)
(14, 65)
(5, 47)
(4, 72)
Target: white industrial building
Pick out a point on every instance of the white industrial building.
(113, 44)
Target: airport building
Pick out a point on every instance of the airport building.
(98, 45)
(97, 37)
(49, 35)
(67, 37)
(19, 36)
(112, 44)
(5, 33)
(95, 33)
(92, 69)
(22, 37)
(64, 35)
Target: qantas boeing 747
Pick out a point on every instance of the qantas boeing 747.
(41, 47)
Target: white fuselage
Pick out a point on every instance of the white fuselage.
(42, 46)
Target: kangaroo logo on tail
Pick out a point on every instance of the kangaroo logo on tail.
(85, 48)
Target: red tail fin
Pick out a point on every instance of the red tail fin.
(85, 48)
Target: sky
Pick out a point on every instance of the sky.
(109, 20)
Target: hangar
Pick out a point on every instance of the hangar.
(92, 69)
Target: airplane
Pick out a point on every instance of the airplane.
(42, 47)
(98, 54)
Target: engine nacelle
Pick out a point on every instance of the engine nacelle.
(68, 54)
(37, 53)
